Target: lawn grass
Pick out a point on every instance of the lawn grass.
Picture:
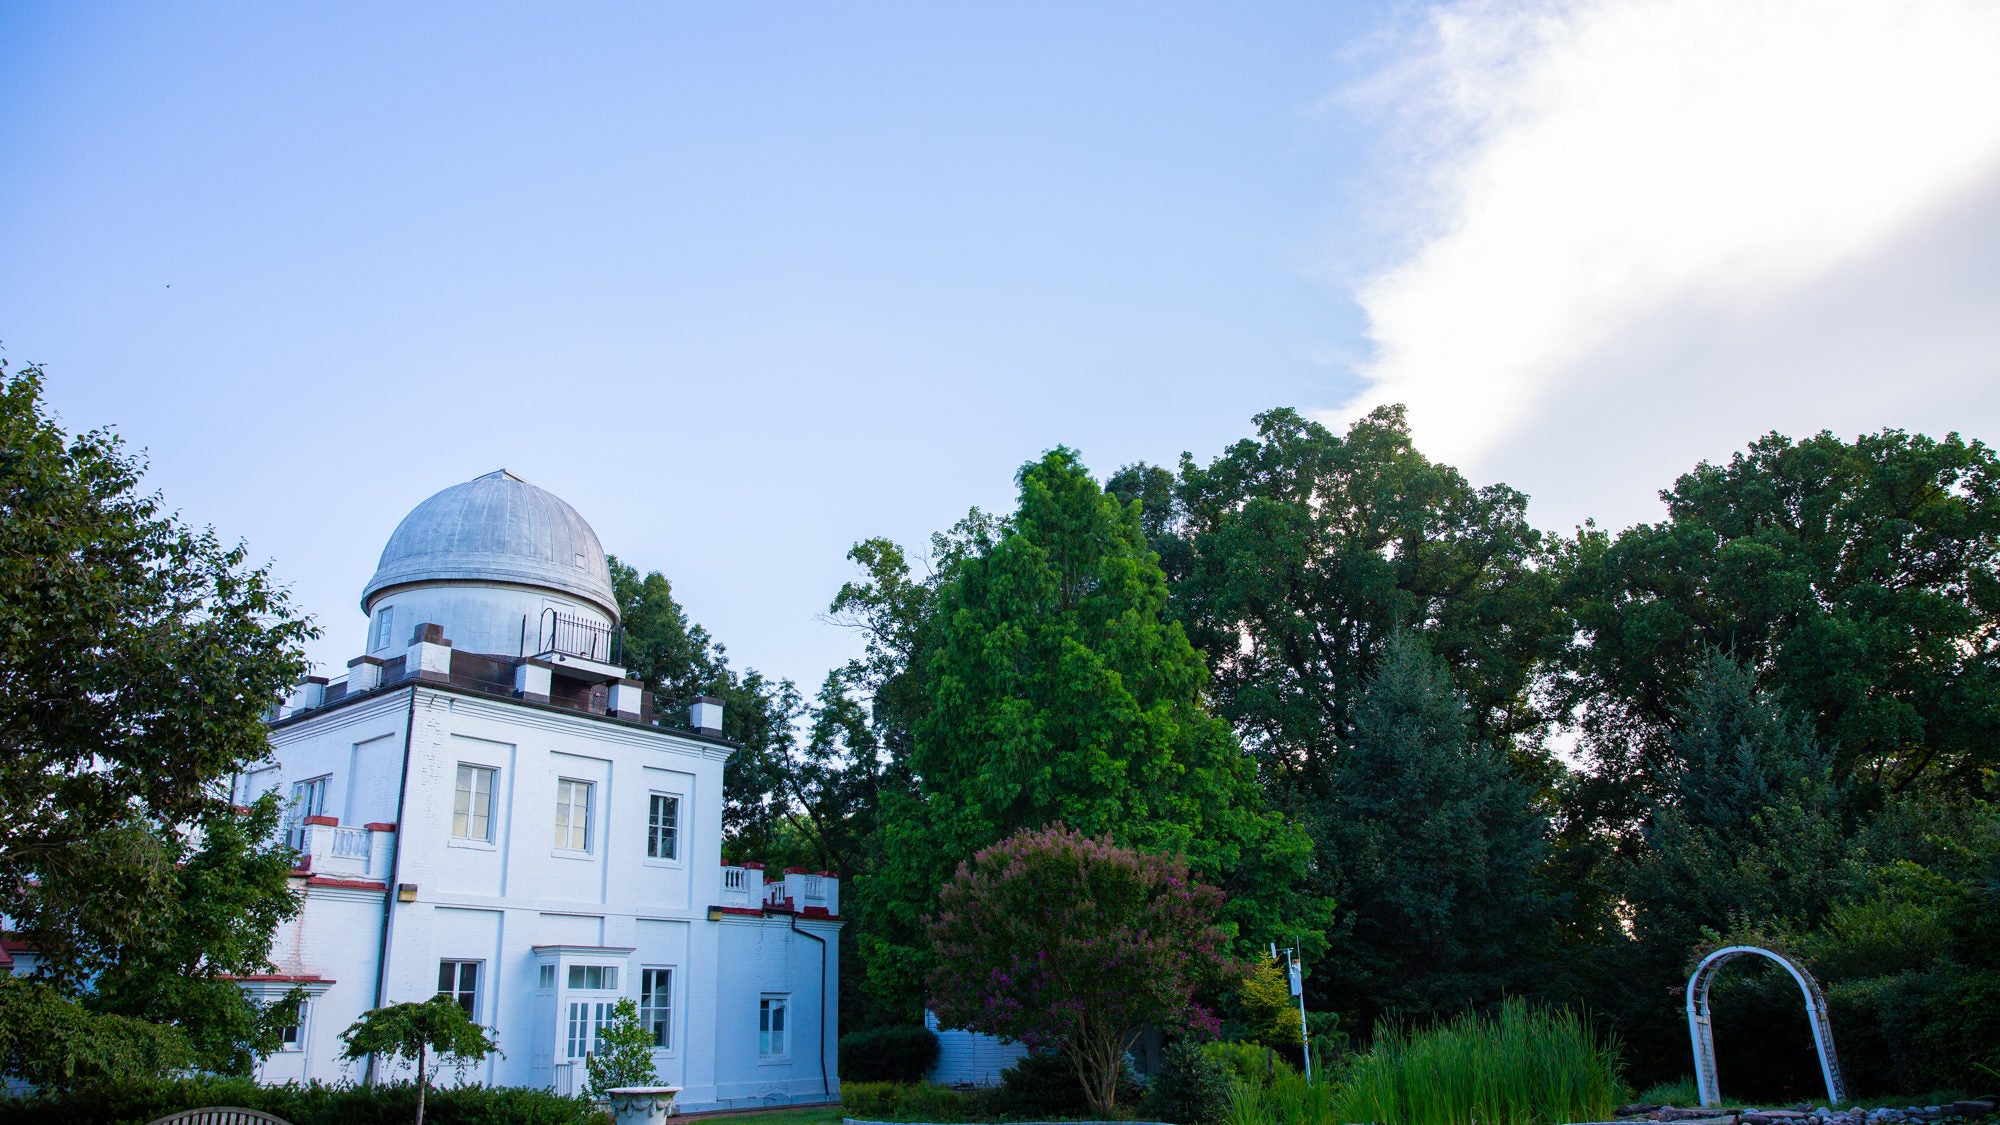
(809, 1115)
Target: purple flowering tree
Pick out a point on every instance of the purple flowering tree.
(1073, 944)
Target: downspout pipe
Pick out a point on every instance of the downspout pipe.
(825, 1083)
(395, 869)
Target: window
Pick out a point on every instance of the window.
(771, 1026)
(472, 804)
(308, 799)
(382, 631)
(593, 976)
(656, 1004)
(460, 981)
(573, 815)
(663, 827)
(548, 977)
(292, 1036)
(586, 1024)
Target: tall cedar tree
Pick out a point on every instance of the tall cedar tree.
(137, 660)
(1295, 556)
(1436, 846)
(1856, 580)
(677, 660)
(1058, 693)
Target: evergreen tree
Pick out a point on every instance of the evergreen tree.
(1435, 845)
(1059, 694)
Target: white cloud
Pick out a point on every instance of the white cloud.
(1603, 194)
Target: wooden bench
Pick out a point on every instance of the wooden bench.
(220, 1115)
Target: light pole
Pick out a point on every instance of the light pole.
(1295, 974)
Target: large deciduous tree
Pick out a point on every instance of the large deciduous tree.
(138, 657)
(1058, 692)
(678, 660)
(1859, 581)
(1073, 944)
(1296, 555)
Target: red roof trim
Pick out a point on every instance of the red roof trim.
(327, 821)
(350, 884)
(15, 945)
(748, 911)
(379, 826)
(280, 978)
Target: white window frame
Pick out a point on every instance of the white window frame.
(774, 1008)
(467, 840)
(672, 836)
(308, 799)
(658, 1016)
(456, 991)
(584, 1025)
(566, 806)
(384, 619)
(298, 1028)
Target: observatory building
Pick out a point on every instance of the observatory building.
(486, 807)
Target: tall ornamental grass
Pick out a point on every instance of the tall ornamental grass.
(1523, 1066)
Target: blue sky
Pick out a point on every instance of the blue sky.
(746, 285)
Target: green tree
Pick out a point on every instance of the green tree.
(231, 891)
(418, 1033)
(1295, 556)
(678, 660)
(1856, 581)
(1074, 945)
(624, 1054)
(1058, 693)
(52, 1042)
(138, 657)
(1436, 848)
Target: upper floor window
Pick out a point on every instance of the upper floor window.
(656, 1004)
(459, 980)
(382, 628)
(308, 799)
(472, 804)
(573, 815)
(771, 1026)
(663, 827)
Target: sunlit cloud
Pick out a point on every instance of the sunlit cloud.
(1584, 184)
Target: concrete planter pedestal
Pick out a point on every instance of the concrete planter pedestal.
(642, 1105)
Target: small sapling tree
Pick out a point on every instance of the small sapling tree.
(438, 1028)
(624, 1054)
(1073, 944)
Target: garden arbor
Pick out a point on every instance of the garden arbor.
(1703, 1032)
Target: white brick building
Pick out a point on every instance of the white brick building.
(488, 807)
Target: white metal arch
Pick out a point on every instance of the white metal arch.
(1703, 1033)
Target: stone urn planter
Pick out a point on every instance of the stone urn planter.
(642, 1105)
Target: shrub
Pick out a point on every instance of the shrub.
(902, 1101)
(1524, 1065)
(624, 1055)
(1043, 1087)
(1248, 1064)
(1192, 1088)
(313, 1103)
(888, 1054)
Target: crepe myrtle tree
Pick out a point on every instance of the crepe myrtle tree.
(1074, 944)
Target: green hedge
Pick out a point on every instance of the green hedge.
(888, 1054)
(315, 1103)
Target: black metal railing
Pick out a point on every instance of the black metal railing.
(576, 636)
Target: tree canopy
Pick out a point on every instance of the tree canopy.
(1059, 692)
(138, 657)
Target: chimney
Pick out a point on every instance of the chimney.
(705, 715)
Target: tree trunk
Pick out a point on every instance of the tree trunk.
(420, 1084)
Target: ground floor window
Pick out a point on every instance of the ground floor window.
(771, 1026)
(292, 1037)
(460, 981)
(586, 1022)
(656, 1004)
